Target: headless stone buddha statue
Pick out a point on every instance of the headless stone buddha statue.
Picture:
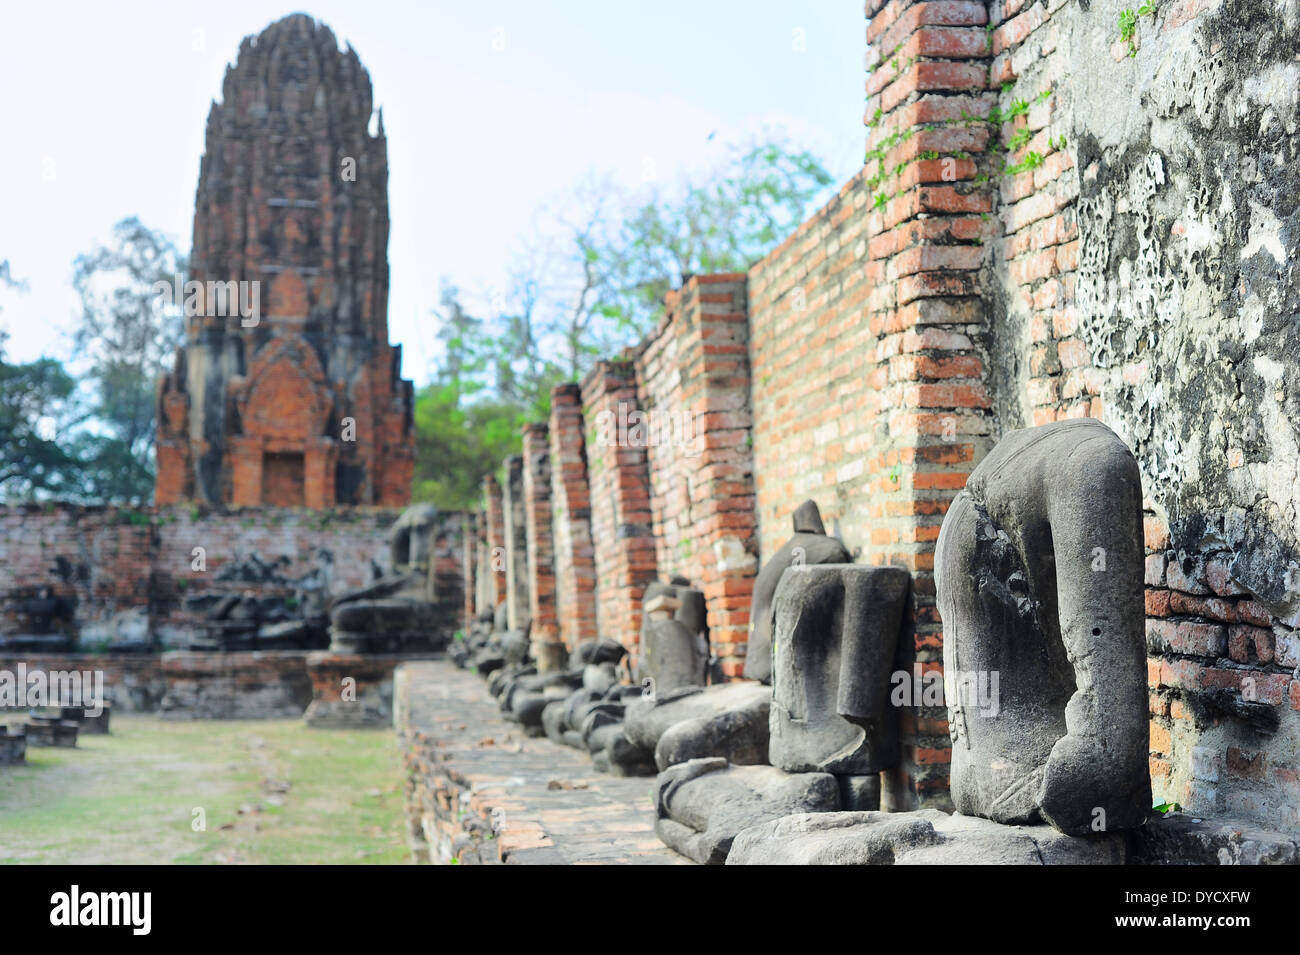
(395, 613)
(674, 636)
(837, 628)
(731, 719)
(1039, 573)
(810, 545)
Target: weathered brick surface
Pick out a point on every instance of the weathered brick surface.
(539, 533)
(234, 686)
(109, 559)
(494, 506)
(935, 304)
(480, 792)
(575, 554)
(621, 521)
(320, 416)
(694, 383)
(1207, 639)
(514, 519)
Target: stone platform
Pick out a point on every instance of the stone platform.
(480, 792)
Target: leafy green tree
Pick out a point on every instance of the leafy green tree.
(720, 225)
(589, 281)
(464, 426)
(592, 278)
(35, 402)
(126, 335)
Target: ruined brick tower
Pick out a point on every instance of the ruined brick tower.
(301, 404)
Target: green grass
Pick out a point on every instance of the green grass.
(130, 797)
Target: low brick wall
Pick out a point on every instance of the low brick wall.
(235, 686)
(130, 569)
(133, 683)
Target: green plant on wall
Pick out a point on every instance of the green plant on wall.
(1128, 22)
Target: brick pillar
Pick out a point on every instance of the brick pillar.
(621, 525)
(695, 389)
(469, 561)
(538, 524)
(496, 540)
(484, 598)
(575, 562)
(517, 601)
(926, 243)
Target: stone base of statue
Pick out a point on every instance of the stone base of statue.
(352, 690)
(703, 804)
(730, 721)
(13, 745)
(924, 837)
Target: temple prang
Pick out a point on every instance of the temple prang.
(287, 392)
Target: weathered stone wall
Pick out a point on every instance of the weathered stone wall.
(518, 604)
(539, 535)
(1149, 275)
(495, 530)
(235, 686)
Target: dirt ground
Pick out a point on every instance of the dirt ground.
(208, 792)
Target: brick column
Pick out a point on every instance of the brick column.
(484, 585)
(517, 581)
(926, 239)
(575, 563)
(538, 525)
(469, 561)
(496, 540)
(620, 500)
(695, 389)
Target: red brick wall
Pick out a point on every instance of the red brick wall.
(694, 389)
(515, 515)
(621, 523)
(575, 558)
(870, 391)
(927, 309)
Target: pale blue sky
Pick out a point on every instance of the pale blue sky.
(104, 106)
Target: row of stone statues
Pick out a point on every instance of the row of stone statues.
(1039, 582)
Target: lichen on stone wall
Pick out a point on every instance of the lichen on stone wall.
(1187, 277)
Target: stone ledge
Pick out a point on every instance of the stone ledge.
(1182, 839)
(469, 773)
